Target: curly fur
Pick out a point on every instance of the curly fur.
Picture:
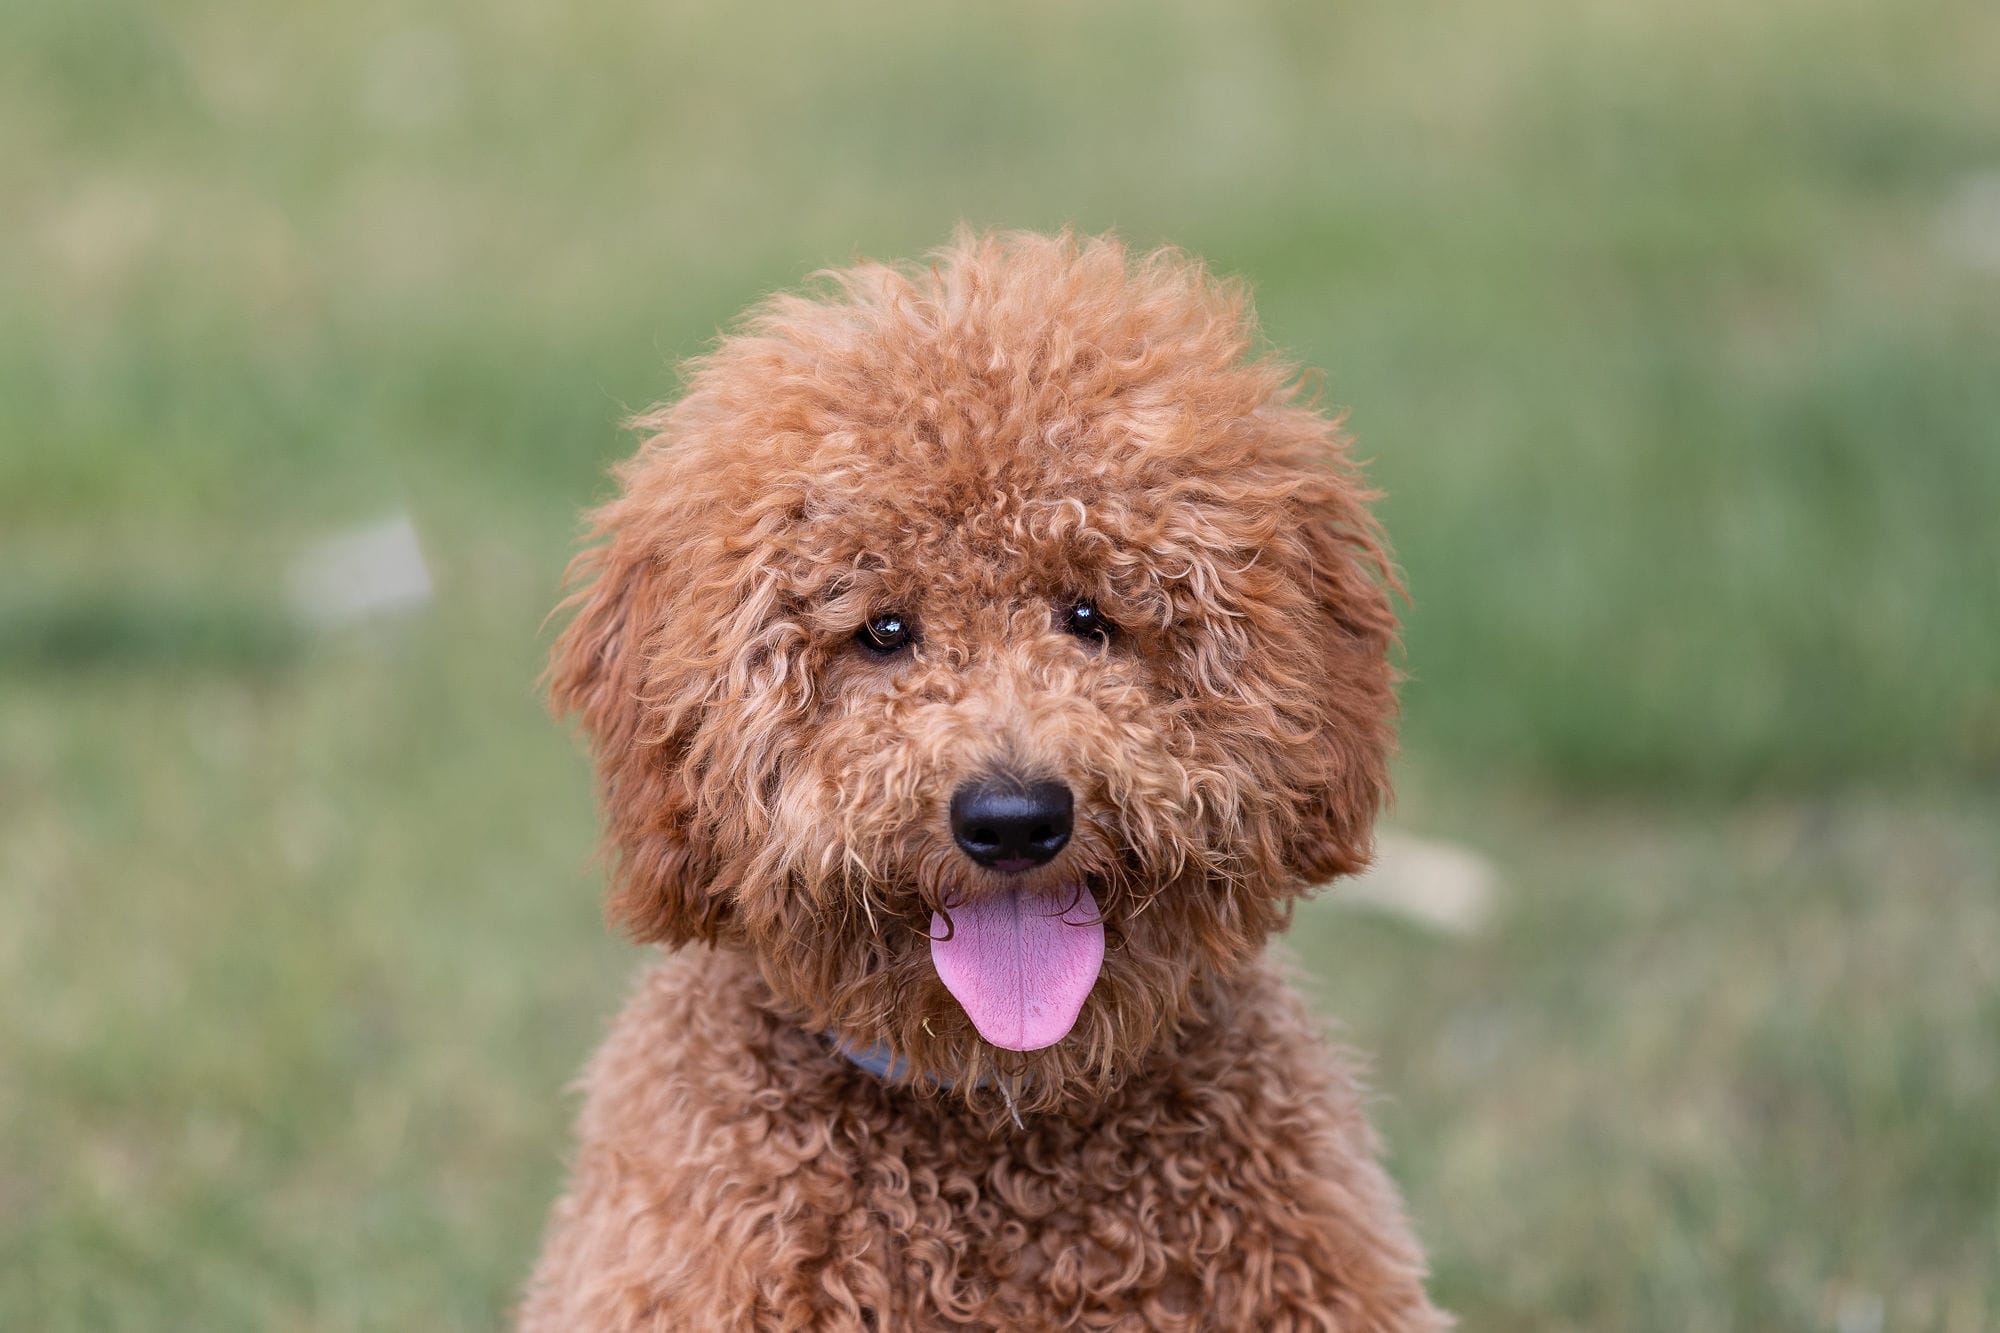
(976, 444)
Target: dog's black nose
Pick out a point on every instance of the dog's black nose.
(1011, 826)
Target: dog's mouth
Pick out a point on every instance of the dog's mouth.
(1021, 962)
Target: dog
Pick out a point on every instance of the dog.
(979, 660)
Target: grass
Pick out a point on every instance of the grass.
(1661, 328)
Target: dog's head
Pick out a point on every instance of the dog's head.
(963, 628)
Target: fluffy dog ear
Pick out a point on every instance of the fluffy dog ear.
(603, 670)
(1341, 774)
(595, 668)
(1336, 831)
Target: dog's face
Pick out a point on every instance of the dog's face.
(974, 625)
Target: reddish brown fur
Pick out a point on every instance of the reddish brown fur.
(976, 444)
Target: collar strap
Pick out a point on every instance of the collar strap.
(878, 1059)
(886, 1065)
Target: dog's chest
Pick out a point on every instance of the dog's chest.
(1134, 1216)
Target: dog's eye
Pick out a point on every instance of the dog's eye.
(1087, 622)
(884, 634)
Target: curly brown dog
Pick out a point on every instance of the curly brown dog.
(980, 659)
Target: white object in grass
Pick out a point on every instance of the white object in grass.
(365, 573)
(1437, 884)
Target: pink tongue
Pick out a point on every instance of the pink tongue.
(1021, 964)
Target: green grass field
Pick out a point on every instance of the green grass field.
(1672, 333)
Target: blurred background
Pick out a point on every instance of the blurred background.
(1672, 333)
